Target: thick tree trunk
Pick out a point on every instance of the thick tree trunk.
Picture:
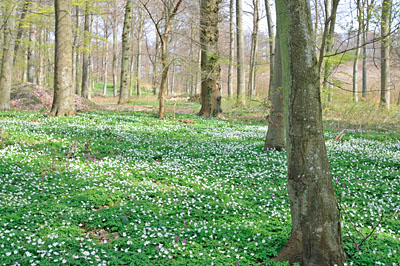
(210, 69)
(124, 83)
(385, 53)
(316, 234)
(31, 55)
(240, 55)
(271, 42)
(63, 104)
(275, 139)
(231, 47)
(85, 61)
(253, 52)
(7, 60)
(139, 53)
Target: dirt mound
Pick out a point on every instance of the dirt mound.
(32, 97)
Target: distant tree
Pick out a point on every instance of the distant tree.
(316, 238)
(9, 11)
(63, 104)
(210, 68)
(385, 53)
(163, 30)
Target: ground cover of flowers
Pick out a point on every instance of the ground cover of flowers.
(128, 189)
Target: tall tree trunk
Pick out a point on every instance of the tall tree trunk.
(316, 234)
(155, 65)
(210, 68)
(114, 50)
(240, 55)
(8, 54)
(198, 72)
(31, 54)
(331, 8)
(231, 47)
(40, 80)
(124, 83)
(86, 48)
(105, 65)
(364, 60)
(76, 46)
(385, 53)
(357, 53)
(275, 138)
(139, 52)
(271, 42)
(20, 29)
(164, 77)
(63, 104)
(253, 52)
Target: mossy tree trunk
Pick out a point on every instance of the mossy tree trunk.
(316, 238)
(210, 68)
(8, 55)
(124, 82)
(63, 104)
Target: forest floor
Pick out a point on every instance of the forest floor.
(124, 188)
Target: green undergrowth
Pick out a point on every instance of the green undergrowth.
(124, 188)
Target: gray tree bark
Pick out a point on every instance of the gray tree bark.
(316, 234)
(8, 55)
(114, 49)
(275, 139)
(31, 54)
(385, 53)
(231, 47)
(253, 52)
(210, 68)
(63, 104)
(86, 48)
(271, 43)
(124, 82)
(240, 76)
(139, 53)
(20, 29)
(357, 52)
